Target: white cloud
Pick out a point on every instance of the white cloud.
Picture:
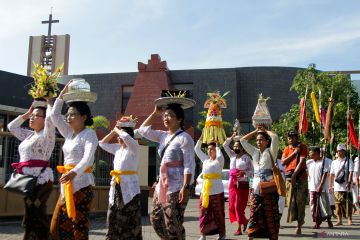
(287, 51)
(118, 33)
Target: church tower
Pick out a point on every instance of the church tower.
(50, 51)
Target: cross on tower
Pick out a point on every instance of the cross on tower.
(50, 21)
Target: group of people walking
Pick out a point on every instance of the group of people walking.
(305, 171)
(70, 220)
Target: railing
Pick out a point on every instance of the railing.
(9, 154)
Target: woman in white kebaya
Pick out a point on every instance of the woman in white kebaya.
(212, 200)
(124, 215)
(71, 220)
(35, 151)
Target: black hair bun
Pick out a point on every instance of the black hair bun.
(89, 121)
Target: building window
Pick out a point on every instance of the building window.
(2, 122)
(126, 93)
(189, 113)
(185, 86)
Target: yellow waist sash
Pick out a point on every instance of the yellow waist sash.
(117, 174)
(68, 190)
(207, 187)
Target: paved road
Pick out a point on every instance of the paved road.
(10, 228)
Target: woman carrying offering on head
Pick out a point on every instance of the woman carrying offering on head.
(35, 151)
(176, 150)
(124, 216)
(71, 216)
(241, 169)
(264, 221)
(212, 200)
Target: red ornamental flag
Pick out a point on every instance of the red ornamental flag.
(303, 122)
(352, 134)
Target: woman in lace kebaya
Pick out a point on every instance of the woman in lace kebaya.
(241, 170)
(212, 200)
(71, 217)
(35, 151)
(124, 216)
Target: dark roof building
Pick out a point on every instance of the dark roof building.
(13, 87)
(244, 83)
(13, 97)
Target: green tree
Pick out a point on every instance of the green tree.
(100, 122)
(326, 82)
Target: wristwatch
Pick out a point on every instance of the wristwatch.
(186, 186)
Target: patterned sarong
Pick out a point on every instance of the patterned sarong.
(320, 207)
(212, 218)
(167, 218)
(63, 227)
(124, 221)
(36, 220)
(298, 200)
(264, 221)
(340, 203)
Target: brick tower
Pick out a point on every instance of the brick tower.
(151, 79)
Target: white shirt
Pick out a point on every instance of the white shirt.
(264, 162)
(211, 166)
(125, 159)
(35, 146)
(314, 174)
(336, 166)
(281, 167)
(181, 148)
(356, 169)
(78, 150)
(243, 163)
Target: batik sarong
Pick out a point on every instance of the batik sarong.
(36, 220)
(298, 200)
(320, 207)
(212, 218)
(343, 201)
(167, 218)
(264, 221)
(124, 221)
(238, 199)
(63, 227)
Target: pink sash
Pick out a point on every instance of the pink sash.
(29, 163)
(163, 188)
(237, 205)
(233, 179)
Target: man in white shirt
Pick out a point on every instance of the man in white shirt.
(340, 181)
(281, 201)
(318, 169)
(355, 185)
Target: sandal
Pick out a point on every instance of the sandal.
(237, 233)
(244, 227)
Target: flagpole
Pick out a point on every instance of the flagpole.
(348, 146)
(321, 125)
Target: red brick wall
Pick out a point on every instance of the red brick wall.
(151, 79)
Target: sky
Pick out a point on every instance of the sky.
(113, 35)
